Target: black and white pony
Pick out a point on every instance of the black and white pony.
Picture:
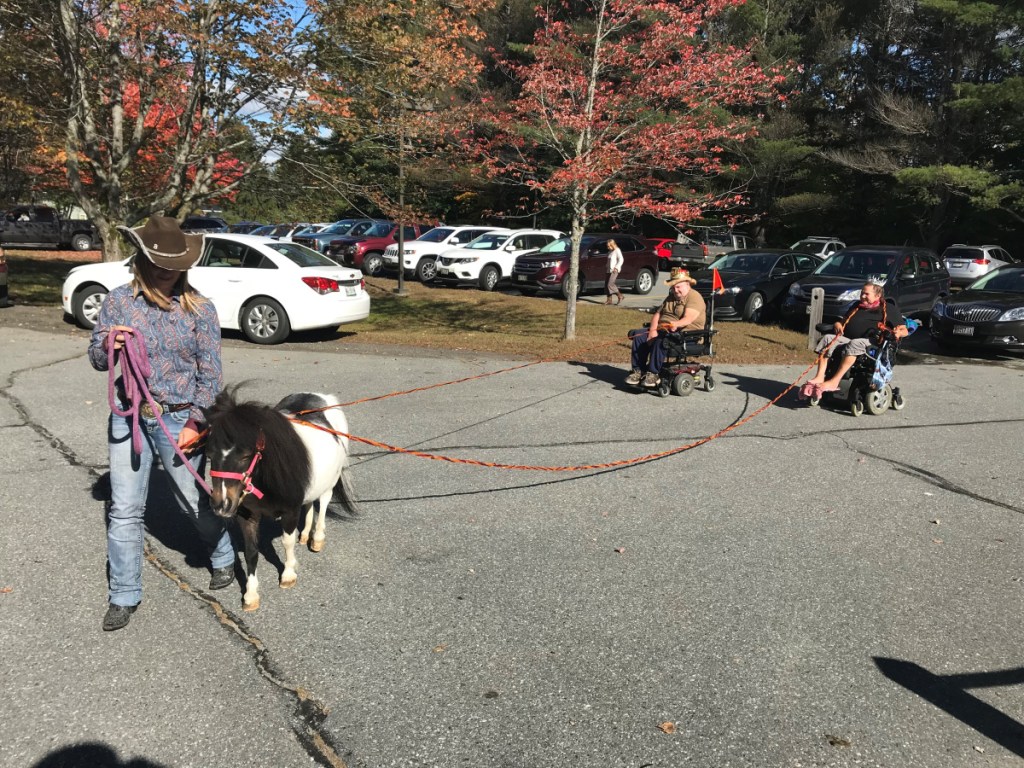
(277, 462)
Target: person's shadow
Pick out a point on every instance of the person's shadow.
(91, 755)
(767, 389)
(607, 374)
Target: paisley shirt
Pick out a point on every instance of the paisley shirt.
(183, 348)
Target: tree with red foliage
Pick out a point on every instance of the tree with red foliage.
(621, 104)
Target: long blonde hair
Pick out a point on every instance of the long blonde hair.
(142, 269)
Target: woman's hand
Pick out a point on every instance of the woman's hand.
(188, 435)
(116, 336)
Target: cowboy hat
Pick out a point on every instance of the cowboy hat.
(678, 275)
(164, 244)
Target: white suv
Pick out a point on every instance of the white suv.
(490, 258)
(421, 254)
(818, 245)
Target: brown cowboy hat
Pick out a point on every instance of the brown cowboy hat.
(164, 244)
(678, 275)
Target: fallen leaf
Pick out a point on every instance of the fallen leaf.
(837, 741)
(620, 550)
(861, 460)
(980, 749)
(6, 590)
(667, 727)
(936, 541)
(440, 648)
(928, 493)
(491, 695)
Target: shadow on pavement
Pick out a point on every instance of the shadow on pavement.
(948, 693)
(92, 755)
(763, 388)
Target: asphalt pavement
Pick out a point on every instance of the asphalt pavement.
(809, 589)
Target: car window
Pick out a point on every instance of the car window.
(491, 242)
(563, 245)
(961, 252)
(784, 265)
(924, 264)
(409, 233)
(438, 235)
(360, 228)
(225, 253)
(300, 255)
(907, 266)
(629, 245)
(338, 228)
(44, 215)
(858, 264)
(804, 262)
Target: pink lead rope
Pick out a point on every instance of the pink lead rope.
(135, 369)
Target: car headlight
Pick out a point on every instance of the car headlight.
(733, 289)
(467, 260)
(797, 291)
(939, 308)
(850, 295)
(409, 251)
(1011, 314)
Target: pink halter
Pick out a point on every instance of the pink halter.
(246, 477)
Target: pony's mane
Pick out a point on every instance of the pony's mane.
(284, 471)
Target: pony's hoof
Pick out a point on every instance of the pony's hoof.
(316, 545)
(289, 583)
(253, 606)
(303, 538)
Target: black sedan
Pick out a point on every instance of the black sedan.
(988, 313)
(754, 280)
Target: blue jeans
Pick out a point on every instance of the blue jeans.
(648, 354)
(129, 487)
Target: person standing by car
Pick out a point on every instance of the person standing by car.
(614, 267)
(5, 298)
(683, 310)
(178, 328)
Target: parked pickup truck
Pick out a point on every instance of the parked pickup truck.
(43, 226)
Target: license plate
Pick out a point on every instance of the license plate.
(443, 270)
(957, 265)
(963, 330)
(522, 278)
(350, 290)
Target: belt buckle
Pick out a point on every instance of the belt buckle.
(147, 411)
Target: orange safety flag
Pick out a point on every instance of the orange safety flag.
(716, 281)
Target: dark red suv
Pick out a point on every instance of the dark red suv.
(366, 251)
(548, 268)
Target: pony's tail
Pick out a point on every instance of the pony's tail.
(344, 495)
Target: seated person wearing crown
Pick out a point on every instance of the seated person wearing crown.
(852, 333)
(682, 310)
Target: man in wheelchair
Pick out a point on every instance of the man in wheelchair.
(682, 310)
(856, 333)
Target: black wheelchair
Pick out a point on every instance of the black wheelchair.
(864, 387)
(680, 375)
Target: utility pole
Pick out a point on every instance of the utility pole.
(400, 290)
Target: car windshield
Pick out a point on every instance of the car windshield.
(563, 246)
(359, 228)
(1005, 280)
(746, 262)
(490, 242)
(857, 264)
(436, 235)
(302, 256)
(339, 227)
(263, 231)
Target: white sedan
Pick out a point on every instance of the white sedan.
(262, 287)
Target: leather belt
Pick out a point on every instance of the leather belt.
(148, 413)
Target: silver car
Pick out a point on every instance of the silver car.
(966, 263)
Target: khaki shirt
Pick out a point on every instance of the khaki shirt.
(673, 309)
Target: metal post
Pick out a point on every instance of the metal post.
(400, 290)
(816, 311)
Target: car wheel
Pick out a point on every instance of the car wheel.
(373, 264)
(426, 270)
(754, 307)
(86, 304)
(81, 243)
(264, 321)
(879, 400)
(565, 288)
(682, 384)
(489, 276)
(644, 282)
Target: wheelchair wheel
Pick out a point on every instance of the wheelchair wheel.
(856, 406)
(665, 386)
(682, 384)
(813, 402)
(879, 400)
(898, 402)
(709, 383)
